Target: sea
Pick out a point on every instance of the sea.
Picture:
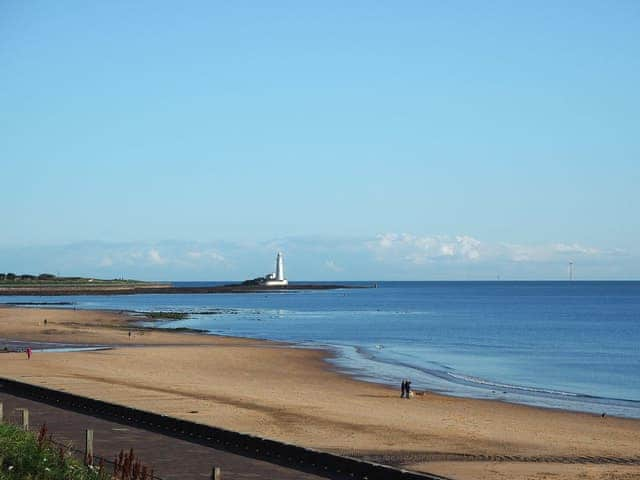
(565, 345)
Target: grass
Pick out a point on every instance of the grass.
(53, 281)
(26, 456)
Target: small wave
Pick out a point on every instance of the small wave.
(481, 381)
(432, 379)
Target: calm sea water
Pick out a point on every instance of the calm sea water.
(571, 345)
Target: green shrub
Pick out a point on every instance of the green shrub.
(26, 456)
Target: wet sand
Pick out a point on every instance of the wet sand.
(291, 394)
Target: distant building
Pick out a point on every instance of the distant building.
(272, 279)
(278, 277)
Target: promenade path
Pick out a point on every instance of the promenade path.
(170, 458)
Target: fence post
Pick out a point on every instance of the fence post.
(88, 447)
(1, 417)
(25, 418)
(216, 474)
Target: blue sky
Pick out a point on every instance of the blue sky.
(367, 140)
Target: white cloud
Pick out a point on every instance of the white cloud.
(155, 257)
(331, 265)
(575, 249)
(388, 255)
(106, 262)
(205, 255)
(469, 247)
(548, 252)
(420, 250)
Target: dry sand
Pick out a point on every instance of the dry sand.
(290, 394)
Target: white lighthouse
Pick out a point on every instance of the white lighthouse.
(277, 279)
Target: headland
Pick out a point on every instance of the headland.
(291, 394)
(30, 285)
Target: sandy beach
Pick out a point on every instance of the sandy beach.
(292, 394)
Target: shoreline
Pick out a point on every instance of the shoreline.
(532, 396)
(332, 357)
(295, 395)
(51, 291)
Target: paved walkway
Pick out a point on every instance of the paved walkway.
(170, 458)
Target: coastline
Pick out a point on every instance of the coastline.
(133, 320)
(295, 395)
(51, 291)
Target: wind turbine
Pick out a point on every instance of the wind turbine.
(570, 271)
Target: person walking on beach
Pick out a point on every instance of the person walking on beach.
(402, 388)
(407, 387)
(28, 353)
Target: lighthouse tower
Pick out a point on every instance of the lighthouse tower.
(277, 279)
(280, 267)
